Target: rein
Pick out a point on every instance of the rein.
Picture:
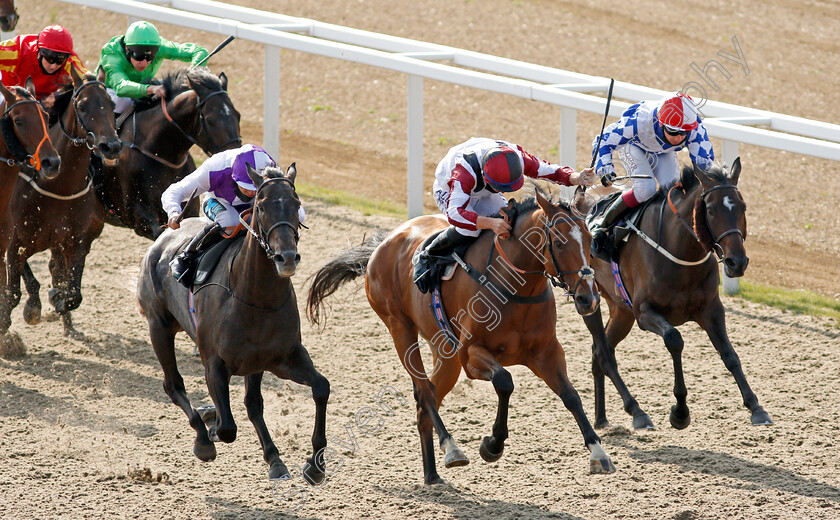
(202, 128)
(89, 138)
(262, 237)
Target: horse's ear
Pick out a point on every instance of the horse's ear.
(30, 85)
(543, 202)
(77, 81)
(256, 178)
(291, 172)
(223, 79)
(100, 75)
(735, 171)
(7, 94)
(702, 177)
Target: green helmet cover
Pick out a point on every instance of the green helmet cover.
(142, 33)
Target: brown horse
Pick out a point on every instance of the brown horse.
(8, 15)
(25, 145)
(671, 277)
(198, 111)
(245, 321)
(56, 214)
(503, 316)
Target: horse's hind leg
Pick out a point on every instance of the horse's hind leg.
(32, 307)
(298, 367)
(550, 366)
(217, 377)
(650, 319)
(604, 363)
(162, 334)
(254, 404)
(714, 323)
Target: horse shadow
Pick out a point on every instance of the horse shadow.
(229, 510)
(828, 333)
(468, 506)
(756, 475)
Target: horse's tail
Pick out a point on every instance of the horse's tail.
(348, 265)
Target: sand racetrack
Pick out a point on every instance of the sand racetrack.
(87, 431)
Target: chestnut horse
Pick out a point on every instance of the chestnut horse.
(671, 277)
(8, 15)
(25, 145)
(245, 321)
(507, 321)
(57, 214)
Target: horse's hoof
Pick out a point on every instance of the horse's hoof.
(205, 452)
(761, 418)
(312, 474)
(31, 314)
(207, 414)
(642, 422)
(278, 471)
(678, 422)
(211, 433)
(487, 453)
(601, 424)
(434, 479)
(602, 466)
(455, 458)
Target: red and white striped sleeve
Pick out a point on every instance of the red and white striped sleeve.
(539, 169)
(461, 184)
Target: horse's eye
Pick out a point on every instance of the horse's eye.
(18, 122)
(558, 244)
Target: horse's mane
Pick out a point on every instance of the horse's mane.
(62, 101)
(689, 180)
(176, 82)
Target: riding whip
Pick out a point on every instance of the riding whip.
(217, 49)
(603, 125)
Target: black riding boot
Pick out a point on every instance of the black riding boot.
(601, 225)
(183, 265)
(442, 245)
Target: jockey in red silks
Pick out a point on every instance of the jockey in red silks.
(647, 137)
(470, 180)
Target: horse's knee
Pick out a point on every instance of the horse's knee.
(320, 388)
(673, 340)
(503, 383)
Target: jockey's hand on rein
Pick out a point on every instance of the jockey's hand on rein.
(608, 178)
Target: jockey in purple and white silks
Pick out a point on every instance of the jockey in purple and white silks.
(646, 138)
(230, 191)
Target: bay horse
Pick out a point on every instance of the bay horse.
(8, 15)
(25, 146)
(245, 321)
(507, 321)
(671, 277)
(197, 110)
(57, 214)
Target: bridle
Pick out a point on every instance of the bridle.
(202, 124)
(262, 236)
(717, 248)
(33, 160)
(558, 279)
(89, 138)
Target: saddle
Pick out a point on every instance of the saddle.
(430, 271)
(618, 232)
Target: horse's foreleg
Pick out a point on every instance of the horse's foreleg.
(714, 323)
(217, 377)
(162, 335)
(298, 367)
(32, 307)
(550, 366)
(650, 319)
(483, 365)
(254, 404)
(604, 363)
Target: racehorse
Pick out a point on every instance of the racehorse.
(245, 321)
(25, 144)
(56, 214)
(8, 15)
(671, 277)
(197, 110)
(503, 316)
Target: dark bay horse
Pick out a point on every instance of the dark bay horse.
(491, 328)
(56, 214)
(198, 110)
(671, 277)
(25, 146)
(8, 15)
(246, 321)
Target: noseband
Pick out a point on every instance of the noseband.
(89, 138)
(262, 237)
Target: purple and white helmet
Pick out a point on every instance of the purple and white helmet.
(257, 158)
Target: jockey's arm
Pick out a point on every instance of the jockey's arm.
(494, 224)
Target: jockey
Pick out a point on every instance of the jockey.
(46, 57)
(647, 137)
(131, 61)
(230, 191)
(469, 183)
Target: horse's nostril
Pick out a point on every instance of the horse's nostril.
(583, 300)
(730, 263)
(297, 259)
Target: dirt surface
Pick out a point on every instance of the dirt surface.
(87, 431)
